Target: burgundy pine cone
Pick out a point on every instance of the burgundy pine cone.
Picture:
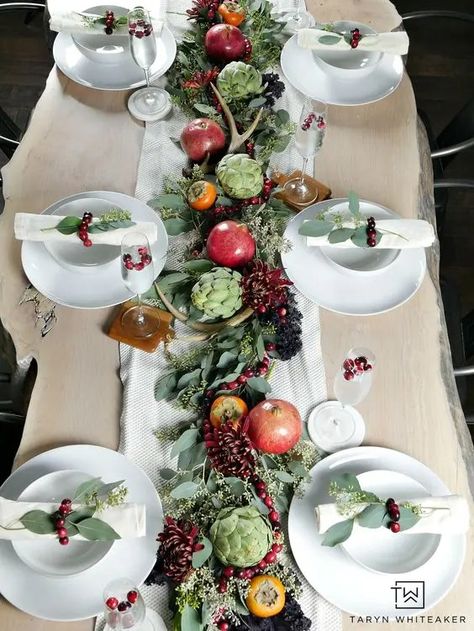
(263, 285)
(229, 450)
(178, 542)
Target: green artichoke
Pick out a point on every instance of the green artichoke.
(217, 293)
(238, 81)
(240, 536)
(240, 176)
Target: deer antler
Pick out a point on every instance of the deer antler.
(236, 139)
(204, 327)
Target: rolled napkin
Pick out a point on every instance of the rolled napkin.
(400, 234)
(32, 227)
(392, 43)
(79, 23)
(448, 515)
(128, 520)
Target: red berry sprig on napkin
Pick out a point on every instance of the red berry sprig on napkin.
(64, 509)
(371, 233)
(355, 38)
(83, 231)
(394, 513)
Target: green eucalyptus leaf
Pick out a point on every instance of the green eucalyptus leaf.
(190, 619)
(329, 40)
(226, 360)
(184, 490)
(185, 441)
(347, 481)
(340, 234)
(260, 347)
(284, 476)
(190, 379)
(86, 488)
(174, 201)
(407, 518)
(165, 386)
(359, 237)
(201, 556)
(204, 109)
(177, 226)
(79, 514)
(316, 228)
(354, 206)
(68, 225)
(257, 102)
(236, 485)
(167, 474)
(282, 504)
(296, 467)
(372, 516)
(38, 521)
(105, 489)
(259, 384)
(94, 529)
(283, 116)
(198, 265)
(338, 533)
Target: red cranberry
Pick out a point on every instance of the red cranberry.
(132, 596)
(242, 379)
(223, 626)
(262, 370)
(270, 557)
(277, 547)
(394, 514)
(87, 243)
(66, 502)
(265, 361)
(261, 308)
(146, 260)
(262, 495)
(268, 502)
(389, 502)
(64, 510)
(64, 541)
(371, 242)
(228, 571)
(348, 364)
(248, 372)
(348, 375)
(241, 574)
(224, 386)
(122, 606)
(111, 602)
(61, 532)
(233, 385)
(139, 266)
(394, 526)
(59, 523)
(262, 564)
(222, 587)
(281, 311)
(283, 321)
(128, 265)
(273, 516)
(270, 346)
(260, 486)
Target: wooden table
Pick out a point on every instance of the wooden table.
(82, 139)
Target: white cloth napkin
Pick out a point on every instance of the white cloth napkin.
(31, 227)
(391, 43)
(128, 520)
(448, 515)
(414, 233)
(69, 21)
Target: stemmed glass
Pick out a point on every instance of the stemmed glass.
(353, 380)
(138, 275)
(298, 18)
(149, 101)
(124, 607)
(309, 138)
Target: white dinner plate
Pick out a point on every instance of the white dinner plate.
(347, 291)
(107, 76)
(77, 597)
(346, 583)
(300, 66)
(101, 285)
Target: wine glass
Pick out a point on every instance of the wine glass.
(353, 380)
(138, 275)
(309, 138)
(149, 101)
(124, 607)
(298, 18)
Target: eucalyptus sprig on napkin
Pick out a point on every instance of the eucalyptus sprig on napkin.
(366, 508)
(112, 220)
(88, 500)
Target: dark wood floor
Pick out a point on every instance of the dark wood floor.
(440, 64)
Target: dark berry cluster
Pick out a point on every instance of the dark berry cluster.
(273, 88)
(109, 22)
(287, 321)
(83, 231)
(145, 259)
(113, 603)
(355, 38)
(394, 513)
(371, 233)
(355, 367)
(140, 28)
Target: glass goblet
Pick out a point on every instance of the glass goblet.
(297, 17)
(138, 275)
(309, 137)
(353, 380)
(149, 101)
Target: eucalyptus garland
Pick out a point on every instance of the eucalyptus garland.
(243, 318)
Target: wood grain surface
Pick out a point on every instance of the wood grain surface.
(81, 139)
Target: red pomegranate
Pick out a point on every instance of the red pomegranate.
(230, 244)
(200, 137)
(274, 426)
(224, 43)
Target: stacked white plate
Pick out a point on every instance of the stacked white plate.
(361, 575)
(341, 77)
(66, 583)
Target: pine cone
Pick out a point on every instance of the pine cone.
(178, 542)
(229, 450)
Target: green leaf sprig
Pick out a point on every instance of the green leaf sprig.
(349, 497)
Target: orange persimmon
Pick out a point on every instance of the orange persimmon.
(266, 596)
(201, 195)
(228, 408)
(232, 13)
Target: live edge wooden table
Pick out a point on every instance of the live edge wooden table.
(82, 139)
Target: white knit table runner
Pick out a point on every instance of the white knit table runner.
(300, 380)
